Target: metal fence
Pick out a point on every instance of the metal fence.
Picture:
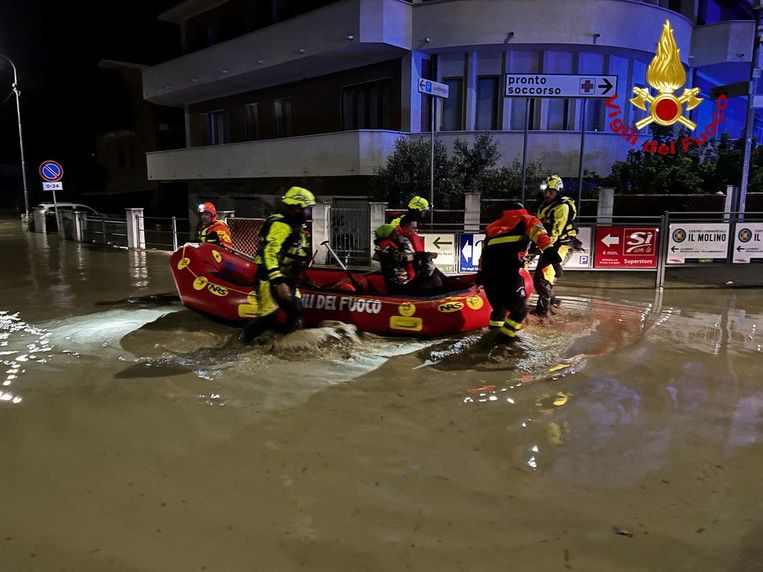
(166, 233)
(351, 235)
(246, 233)
(110, 230)
(441, 220)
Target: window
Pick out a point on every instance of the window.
(282, 117)
(250, 113)
(487, 103)
(594, 115)
(518, 107)
(558, 114)
(214, 128)
(367, 105)
(453, 106)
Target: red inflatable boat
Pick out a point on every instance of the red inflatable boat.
(219, 282)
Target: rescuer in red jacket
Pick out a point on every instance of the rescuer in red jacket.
(506, 242)
(210, 229)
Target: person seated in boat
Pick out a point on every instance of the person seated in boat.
(210, 229)
(418, 207)
(503, 252)
(396, 266)
(283, 254)
(427, 276)
(406, 268)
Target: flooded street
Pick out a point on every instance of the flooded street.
(625, 433)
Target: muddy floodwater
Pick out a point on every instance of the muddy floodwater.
(625, 433)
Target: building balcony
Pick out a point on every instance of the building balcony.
(326, 155)
(722, 43)
(361, 152)
(340, 36)
(447, 24)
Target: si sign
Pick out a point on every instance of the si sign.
(626, 247)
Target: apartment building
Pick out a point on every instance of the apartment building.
(316, 92)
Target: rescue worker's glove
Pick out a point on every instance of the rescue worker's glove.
(577, 245)
(552, 255)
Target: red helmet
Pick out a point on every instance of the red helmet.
(209, 208)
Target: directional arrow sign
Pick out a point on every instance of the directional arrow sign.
(748, 242)
(559, 85)
(447, 255)
(609, 240)
(606, 85)
(433, 88)
(437, 242)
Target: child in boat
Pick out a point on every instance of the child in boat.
(396, 266)
(427, 277)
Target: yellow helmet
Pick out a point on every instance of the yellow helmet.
(419, 204)
(552, 182)
(297, 196)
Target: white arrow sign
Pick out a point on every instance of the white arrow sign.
(433, 88)
(609, 240)
(559, 85)
(472, 252)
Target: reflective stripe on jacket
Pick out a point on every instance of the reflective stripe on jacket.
(283, 249)
(558, 218)
(507, 239)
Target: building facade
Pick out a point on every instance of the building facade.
(281, 92)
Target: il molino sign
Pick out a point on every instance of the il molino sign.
(666, 75)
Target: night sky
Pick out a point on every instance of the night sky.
(56, 46)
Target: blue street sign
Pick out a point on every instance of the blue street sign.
(470, 250)
(51, 171)
(433, 88)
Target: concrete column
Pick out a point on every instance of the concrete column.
(321, 232)
(506, 102)
(80, 226)
(410, 98)
(376, 214)
(39, 221)
(730, 204)
(472, 202)
(606, 206)
(136, 236)
(470, 81)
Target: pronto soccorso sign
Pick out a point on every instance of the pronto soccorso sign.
(666, 75)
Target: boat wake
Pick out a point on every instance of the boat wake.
(581, 327)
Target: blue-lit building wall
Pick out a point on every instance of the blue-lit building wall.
(321, 60)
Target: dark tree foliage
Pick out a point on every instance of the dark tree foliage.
(707, 168)
(406, 172)
(469, 169)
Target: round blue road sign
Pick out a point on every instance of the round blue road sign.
(51, 171)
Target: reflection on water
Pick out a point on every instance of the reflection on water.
(138, 268)
(21, 344)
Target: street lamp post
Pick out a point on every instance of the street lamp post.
(17, 91)
(750, 120)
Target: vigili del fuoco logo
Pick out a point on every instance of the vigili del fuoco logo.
(665, 74)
